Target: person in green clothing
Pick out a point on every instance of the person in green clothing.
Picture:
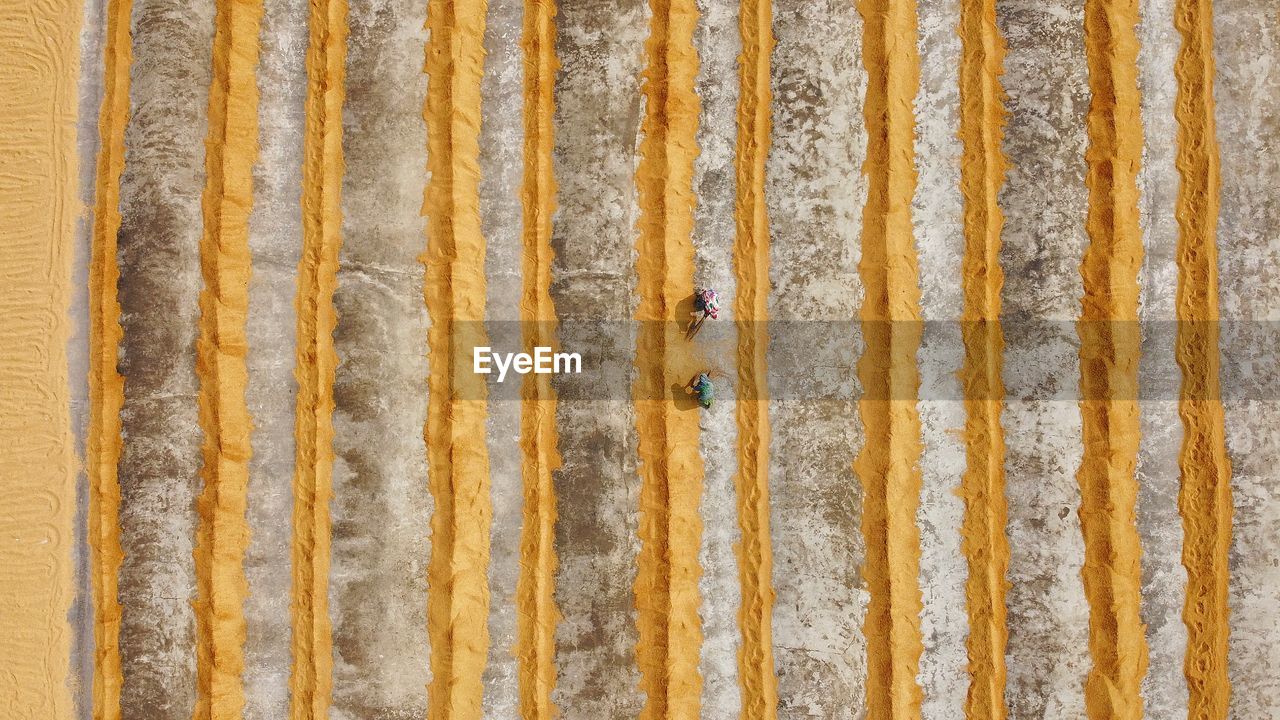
(702, 387)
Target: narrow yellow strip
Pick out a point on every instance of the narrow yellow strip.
(671, 471)
(887, 370)
(38, 210)
(756, 675)
(106, 387)
(1205, 500)
(535, 590)
(223, 533)
(982, 173)
(1109, 347)
(311, 682)
(458, 461)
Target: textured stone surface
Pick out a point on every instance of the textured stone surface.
(1248, 94)
(501, 171)
(815, 192)
(381, 507)
(597, 130)
(1163, 578)
(275, 239)
(1044, 204)
(159, 256)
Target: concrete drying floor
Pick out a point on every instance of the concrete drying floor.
(815, 193)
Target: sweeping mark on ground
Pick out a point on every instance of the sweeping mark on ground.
(890, 314)
(985, 544)
(223, 533)
(106, 386)
(535, 589)
(311, 682)
(666, 586)
(1110, 343)
(1205, 498)
(756, 674)
(457, 458)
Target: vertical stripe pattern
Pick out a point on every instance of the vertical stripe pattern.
(890, 315)
(985, 544)
(666, 586)
(1109, 350)
(535, 591)
(1205, 498)
(457, 458)
(223, 534)
(751, 309)
(106, 386)
(311, 682)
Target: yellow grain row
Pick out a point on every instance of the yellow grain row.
(757, 678)
(1109, 348)
(984, 542)
(457, 458)
(535, 590)
(311, 681)
(890, 315)
(671, 473)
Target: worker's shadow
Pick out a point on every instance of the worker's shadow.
(684, 400)
(684, 317)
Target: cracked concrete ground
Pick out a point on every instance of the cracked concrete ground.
(815, 192)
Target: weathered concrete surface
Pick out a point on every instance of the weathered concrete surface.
(815, 194)
(1248, 94)
(937, 220)
(718, 44)
(159, 264)
(381, 508)
(597, 125)
(275, 240)
(1044, 203)
(1159, 524)
(501, 173)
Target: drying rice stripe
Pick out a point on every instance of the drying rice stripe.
(1205, 498)
(457, 458)
(985, 543)
(1110, 343)
(671, 472)
(106, 386)
(888, 373)
(757, 678)
(311, 682)
(535, 589)
(222, 535)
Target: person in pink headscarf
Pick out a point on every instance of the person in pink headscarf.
(706, 304)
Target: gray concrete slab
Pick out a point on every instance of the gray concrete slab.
(815, 191)
(1044, 203)
(501, 174)
(937, 218)
(1159, 524)
(159, 261)
(1248, 95)
(718, 43)
(275, 240)
(597, 126)
(381, 508)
